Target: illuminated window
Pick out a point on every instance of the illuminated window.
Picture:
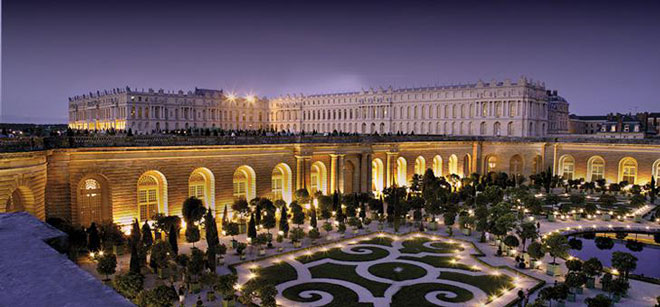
(401, 172)
(377, 175)
(628, 170)
(595, 169)
(148, 197)
(420, 165)
(567, 167)
(453, 164)
(516, 165)
(491, 164)
(437, 166)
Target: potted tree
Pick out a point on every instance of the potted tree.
(241, 207)
(512, 242)
(297, 234)
(225, 285)
(575, 281)
(160, 254)
(355, 224)
(195, 267)
(327, 226)
(232, 230)
(107, 264)
(557, 246)
(314, 234)
(240, 250)
(260, 241)
(592, 269)
(536, 252)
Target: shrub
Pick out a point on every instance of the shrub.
(107, 265)
(599, 300)
(314, 234)
(129, 285)
(196, 264)
(156, 297)
(297, 234)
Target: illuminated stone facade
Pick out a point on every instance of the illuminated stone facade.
(522, 108)
(123, 183)
(145, 112)
(485, 109)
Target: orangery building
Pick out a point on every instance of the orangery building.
(122, 180)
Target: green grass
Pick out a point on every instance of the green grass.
(415, 246)
(347, 273)
(342, 296)
(440, 262)
(385, 241)
(337, 254)
(413, 295)
(490, 284)
(388, 270)
(277, 273)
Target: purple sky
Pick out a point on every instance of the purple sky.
(601, 56)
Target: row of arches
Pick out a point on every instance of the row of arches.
(420, 167)
(627, 170)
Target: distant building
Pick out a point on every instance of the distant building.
(145, 112)
(557, 114)
(585, 124)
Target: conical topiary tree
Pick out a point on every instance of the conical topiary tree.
(172, 238)
(312, 219)
(252, 228)
(147, 237)
(284, 221)
(212, 239)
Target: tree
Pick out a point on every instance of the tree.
(107, 265)
(172, 238)
(599, 300)
(267, 295)
(196, 263)
(302, 196)
(556, 245)
(592, 267)
(225, 218)
(147, 237)
(160, 253)
(527, 231)
(160, 296)
(574, 265)
(552, 200)
(536, 250)
(298, 214)
(284, 222)
(624, 262)
(240, 206)
(93, 238)
(268, 220)
(212, 240)
(192, 234)
(252, 228)
(481, 213)
(575, 279)
(129, 285)
(511, 241)
(225, 284)
(312, 220)
(193, 210)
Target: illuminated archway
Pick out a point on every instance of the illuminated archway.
(655, 172)
(595, 169)
(201, 184)
(437, 166)
(21, 199)
(628, 170)
(467, 165)
(420, 165)
(93, 204)
(282, 183)
(377, 177)
(245, 184)
(401, 172)
(453, 164)
(566, 167)
(152, 195)
(516, 165)
(319, 178)
(490, 164)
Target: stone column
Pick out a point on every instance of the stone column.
(391, 168)
(301, 172)
(363, 173)
(368, 173)
(340, 182)
(333, 173)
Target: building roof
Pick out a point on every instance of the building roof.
(32, 273)
(589, 117)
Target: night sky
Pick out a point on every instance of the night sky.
(602, 56)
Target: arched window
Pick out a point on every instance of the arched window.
(244, 182)
(90, 206)
(595, 169)
(516, 165)
(496, 128)
(453, 164)
(567, 167)
(536, 164)
(201, 185)
(420, 165)
(491, 164)
(377, 175)
(656, 172)
(401, 174)
(628, 170)
(152, 195)
(509, 129)
(467, 164)
(482, 128)
(319, 178)
(281, 183)
(437, 166)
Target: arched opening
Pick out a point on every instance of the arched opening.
(245, 185)
(490, 164)
(467, 165)
(20, 200)
(516, 165)
(567, 167)
(496, 129)
(201, 184)
(377, 178)
(93, 203)
(628, 170)
(595, 169)
(281, 180)
(453, 164)
(319, 178)
(401, 171)
(420, 165)
(437, 166)
(655, 172)
(152, 195)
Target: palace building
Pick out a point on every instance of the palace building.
(151, 111)
(112, 179)
(497, 108)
